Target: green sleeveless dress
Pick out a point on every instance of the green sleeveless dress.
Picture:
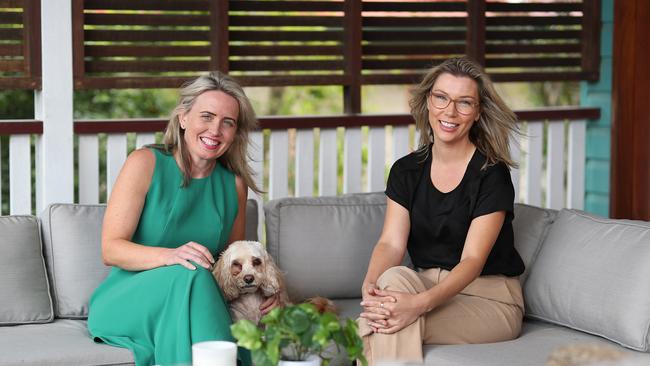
(159, 313)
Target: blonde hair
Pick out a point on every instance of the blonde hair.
(235, 159)
(497, 122)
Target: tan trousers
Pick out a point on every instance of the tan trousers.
(490, 309)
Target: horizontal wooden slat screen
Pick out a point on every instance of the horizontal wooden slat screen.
(20, 61)
(161, 43)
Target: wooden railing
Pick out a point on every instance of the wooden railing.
(305, 161)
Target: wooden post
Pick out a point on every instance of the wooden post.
(352, 56)
(219, 37)
(53, 105)
(475, 37)
(590, 39)
(352, 95)
(630, 172)
(32, 41)
(78, 54)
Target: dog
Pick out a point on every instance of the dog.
(247, 275)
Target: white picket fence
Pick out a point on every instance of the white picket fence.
(548, 176)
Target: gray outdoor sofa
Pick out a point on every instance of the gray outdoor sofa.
(586, 279)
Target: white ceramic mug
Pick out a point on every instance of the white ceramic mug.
(214, 353)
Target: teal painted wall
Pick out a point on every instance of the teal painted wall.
(599, 94)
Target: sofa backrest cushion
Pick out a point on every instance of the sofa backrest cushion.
(72, 238)
(24, 288)
(323, 244)
(531, 224)
(252, 220)
(592, 274)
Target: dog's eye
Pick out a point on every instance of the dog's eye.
(236, 264)
(257, 262)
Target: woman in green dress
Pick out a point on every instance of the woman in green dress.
(173, 208)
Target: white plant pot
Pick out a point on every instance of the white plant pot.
(312, 360)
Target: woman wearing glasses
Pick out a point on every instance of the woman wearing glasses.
(450, 204)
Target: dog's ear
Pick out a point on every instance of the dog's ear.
(226, 281)
(273, 281)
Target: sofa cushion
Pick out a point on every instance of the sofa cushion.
(252, 220)
(530, 225)
(537, 341)
(64, 342)
(592, 274)
(24, 288)
(72, 237)
(323, 244)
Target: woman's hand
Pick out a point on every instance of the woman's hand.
(190, 251)
(270, 303)
(374, 306)
(404, 311)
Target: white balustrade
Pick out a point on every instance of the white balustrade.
(352, 161)
(376, 159)
(304, 163)
(543, 177)
(20, 175)
(88, 158)
(328, 160)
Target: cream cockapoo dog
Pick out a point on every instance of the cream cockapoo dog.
(247, 275)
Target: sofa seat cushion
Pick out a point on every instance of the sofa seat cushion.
(63, 342)
(24, 287)
(537, 341)
(348, 308)
(592, 274)
(323, 244)
(72, 238)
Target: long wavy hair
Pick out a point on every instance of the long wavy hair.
(235, 158)
(491, 133)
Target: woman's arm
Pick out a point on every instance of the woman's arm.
(391, 245)
(123, 214)
(482, 235)
(238, 231)
(388, 253)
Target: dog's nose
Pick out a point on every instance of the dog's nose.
(249, 278)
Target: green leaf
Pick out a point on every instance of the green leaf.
(297, 320)
(247, 334)
(260, 358)
(273, 350)
(330, 321)
(272, 317)
(322, 336)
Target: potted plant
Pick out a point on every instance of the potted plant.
(298, 333)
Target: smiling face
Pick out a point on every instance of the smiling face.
(210, 126)
(448, 125)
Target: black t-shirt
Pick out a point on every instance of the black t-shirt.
(440, 221)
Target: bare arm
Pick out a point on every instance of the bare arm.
(391, 246)
(122, 217)
(123, 214)
(388, 253)
(238, 231)
(482, 234)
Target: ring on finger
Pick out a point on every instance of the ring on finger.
(381, 304)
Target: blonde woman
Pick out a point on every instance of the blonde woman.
(173, 208)
(450, 205)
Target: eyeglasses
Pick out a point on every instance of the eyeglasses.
(463, 106)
